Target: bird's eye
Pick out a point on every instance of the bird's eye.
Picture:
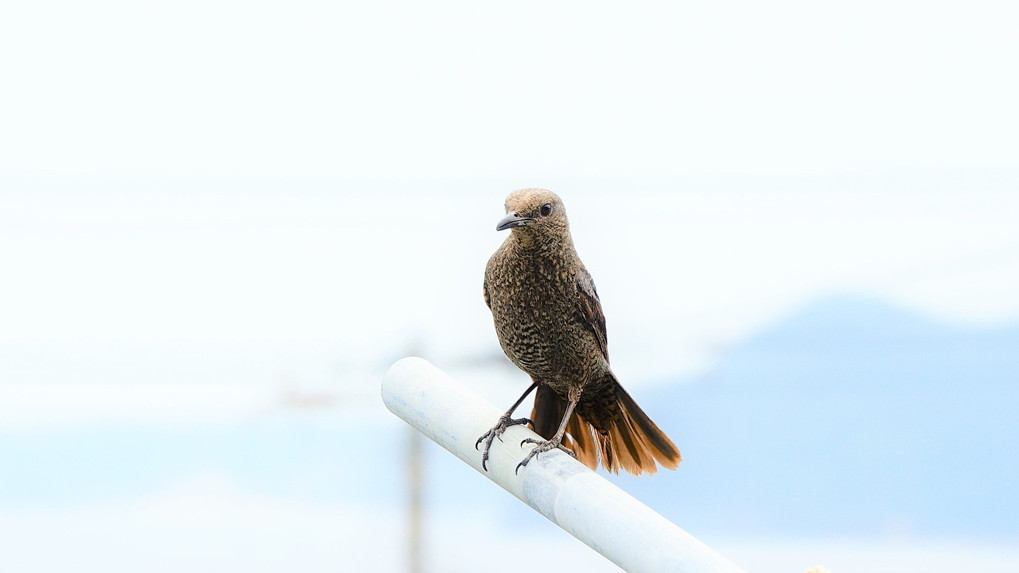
(546, 209)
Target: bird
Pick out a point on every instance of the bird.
(549, 322)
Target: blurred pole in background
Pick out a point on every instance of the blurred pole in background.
(415, 485)
(415, 472)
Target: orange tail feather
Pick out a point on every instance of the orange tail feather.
(631, 441)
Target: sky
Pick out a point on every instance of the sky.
(209, 177)
(214, 212)
(451, 90)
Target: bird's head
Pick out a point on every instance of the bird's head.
(535, 213)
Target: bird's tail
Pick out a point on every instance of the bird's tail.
(607, 425)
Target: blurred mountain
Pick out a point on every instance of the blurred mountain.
(849, 417)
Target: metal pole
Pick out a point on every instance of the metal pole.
(586, 505)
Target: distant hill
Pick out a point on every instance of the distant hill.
(849, 417)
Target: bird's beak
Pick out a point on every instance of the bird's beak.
(512, 220)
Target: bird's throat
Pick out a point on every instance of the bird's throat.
(524, 238)
(530, 243)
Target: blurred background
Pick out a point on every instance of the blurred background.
(220, 222)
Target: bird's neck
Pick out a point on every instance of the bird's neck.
(528, 244)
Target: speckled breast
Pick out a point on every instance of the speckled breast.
(537, 319)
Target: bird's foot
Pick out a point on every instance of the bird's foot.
(543, 446)
(496, 432)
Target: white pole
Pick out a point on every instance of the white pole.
(559, 487)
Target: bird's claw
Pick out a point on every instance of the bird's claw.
(542, 446)
(496, 432)
(539, 442)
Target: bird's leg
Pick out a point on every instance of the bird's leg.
(504, 422)
(557, 440)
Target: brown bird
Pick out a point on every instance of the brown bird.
(549, 321)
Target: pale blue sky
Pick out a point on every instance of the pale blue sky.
(210, 210)
(877, 140)
(460, 89)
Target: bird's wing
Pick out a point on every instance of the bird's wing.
(488, 301)
(590, 307)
